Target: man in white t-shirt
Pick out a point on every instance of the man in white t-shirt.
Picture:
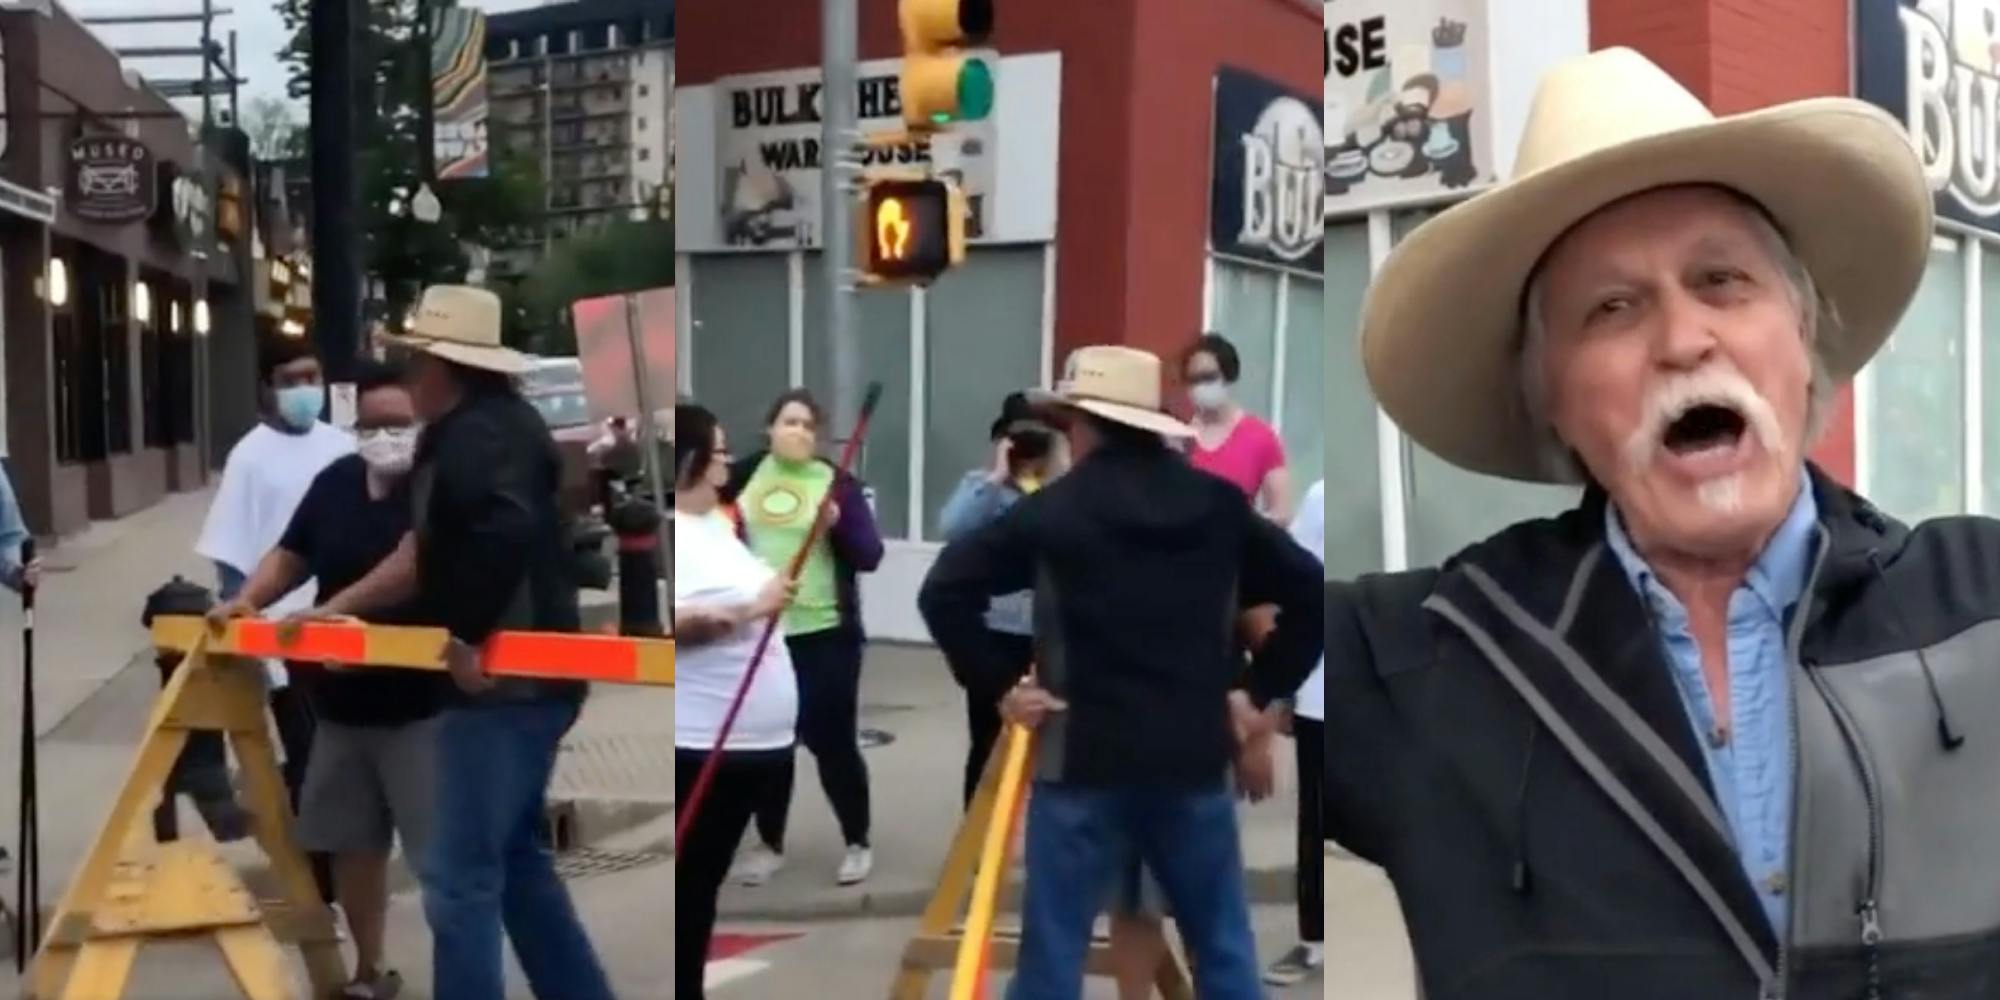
(267, 473)
(1308, 721)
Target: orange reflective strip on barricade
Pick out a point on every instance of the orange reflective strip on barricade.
(609, 659)
(581, 657)
(319, 645)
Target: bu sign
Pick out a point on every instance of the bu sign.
(911, 230)
(111, 179)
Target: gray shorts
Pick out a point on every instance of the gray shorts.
(367, 785)
(1138, 892)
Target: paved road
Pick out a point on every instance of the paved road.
(1368, 957)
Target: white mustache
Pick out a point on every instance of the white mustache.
(1717, 385)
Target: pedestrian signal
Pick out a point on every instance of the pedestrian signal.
(911, 230)
(941, 84)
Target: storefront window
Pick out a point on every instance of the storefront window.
(181, 352)
(1306, 348)
(1916, 411)
(1989, 280)
(882, 325)
(983, 340)
(742, 321)
(155, 391)
(1354, 485)
(67, 353)
(1246, 312)
(1450, 508)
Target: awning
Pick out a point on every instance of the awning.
(27, 203)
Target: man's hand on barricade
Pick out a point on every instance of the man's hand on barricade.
(222, 614)
(466, 670)
(1029, 703)
(292, 624)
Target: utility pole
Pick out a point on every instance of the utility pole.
(204, 237)
(336, 236)
(426, 103)
(840, 135)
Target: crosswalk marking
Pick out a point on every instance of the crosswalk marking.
(729, 970)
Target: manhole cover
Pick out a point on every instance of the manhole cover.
(620, 768)
(873, 738)
(584, 862)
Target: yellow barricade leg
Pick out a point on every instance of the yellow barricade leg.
(939, 941)
(129, 891)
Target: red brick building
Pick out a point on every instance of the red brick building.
(1100, 185)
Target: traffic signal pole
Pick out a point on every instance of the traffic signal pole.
(336, 233)
(840, 137)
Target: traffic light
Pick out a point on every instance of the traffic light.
(941, 84)
(912, 230)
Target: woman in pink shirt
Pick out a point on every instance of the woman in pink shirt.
(1230, 442)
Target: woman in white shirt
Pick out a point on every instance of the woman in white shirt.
(724, 597)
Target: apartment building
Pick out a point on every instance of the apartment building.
(586, 87)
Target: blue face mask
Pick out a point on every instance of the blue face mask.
(299, 405)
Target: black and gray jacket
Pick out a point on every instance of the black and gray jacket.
(1505, 739)
(1140, 564)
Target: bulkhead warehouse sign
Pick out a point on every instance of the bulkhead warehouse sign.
(1935, 65)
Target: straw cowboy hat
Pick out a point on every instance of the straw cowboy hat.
(1441, 328)
(460, 323)
(1120, 384)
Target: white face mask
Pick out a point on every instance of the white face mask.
(389, 451)
(1210, 396)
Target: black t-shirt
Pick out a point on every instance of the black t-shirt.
(341, 534)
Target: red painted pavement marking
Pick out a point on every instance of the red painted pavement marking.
(725, 945)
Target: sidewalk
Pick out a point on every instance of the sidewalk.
(908, 694)
(95, 685)
(85, 760)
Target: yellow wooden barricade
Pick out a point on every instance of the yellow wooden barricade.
(973, 881)
(130, 891)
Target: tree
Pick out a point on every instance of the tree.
(275, 133)
(393, 101)
(621, 257)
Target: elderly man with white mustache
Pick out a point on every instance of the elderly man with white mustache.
(1724, 730)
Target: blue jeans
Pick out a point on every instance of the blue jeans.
(489, 866)
(1081, 839)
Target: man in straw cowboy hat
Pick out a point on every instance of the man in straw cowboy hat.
(1139, 564)
(1725, 729)
(487, 552)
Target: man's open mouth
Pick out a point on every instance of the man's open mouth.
(1705, 426)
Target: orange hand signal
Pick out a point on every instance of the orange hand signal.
(892, 229)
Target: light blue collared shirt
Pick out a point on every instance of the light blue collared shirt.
(13, 532)
(1752, 770)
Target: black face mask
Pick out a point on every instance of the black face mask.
(1030, 446)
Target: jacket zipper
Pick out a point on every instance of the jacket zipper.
(1778, 988)
(1868, 912)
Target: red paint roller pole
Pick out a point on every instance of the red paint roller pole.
(692, 807)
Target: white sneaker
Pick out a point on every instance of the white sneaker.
(855, 866)
(1298, 965)
(757, 867)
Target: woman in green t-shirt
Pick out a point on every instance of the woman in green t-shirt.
(776, 493)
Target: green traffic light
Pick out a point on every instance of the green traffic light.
(975, 92)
